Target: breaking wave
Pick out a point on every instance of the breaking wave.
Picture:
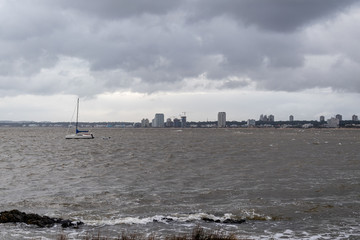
(178, 218)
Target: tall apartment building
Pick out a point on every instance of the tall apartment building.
(271, 118)
(221, 119)
(291, 118)
(339, 116)
(265, 118)
(145, 122)
(355, 118)
(183, 121)
(158, 121)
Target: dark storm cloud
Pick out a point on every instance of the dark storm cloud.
(90, 47)
(272, 15)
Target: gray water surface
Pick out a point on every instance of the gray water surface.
(286, 183)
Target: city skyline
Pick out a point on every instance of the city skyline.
(161, 120)
(130, 59)
(221, 119)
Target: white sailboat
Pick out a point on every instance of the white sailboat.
(79, 134)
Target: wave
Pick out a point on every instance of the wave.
(181, 218)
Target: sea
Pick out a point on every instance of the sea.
(285, 183)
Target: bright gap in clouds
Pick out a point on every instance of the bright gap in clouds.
(199, 106)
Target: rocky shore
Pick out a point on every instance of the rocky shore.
(16, 216)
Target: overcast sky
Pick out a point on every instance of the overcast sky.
(130, 59)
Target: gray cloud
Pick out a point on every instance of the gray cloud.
(272, 15)
(116, 9)
(90, 47)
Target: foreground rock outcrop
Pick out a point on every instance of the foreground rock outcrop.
(15, 216)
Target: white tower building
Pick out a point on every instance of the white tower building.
(221, 119)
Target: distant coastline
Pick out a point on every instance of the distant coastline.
(200, 124)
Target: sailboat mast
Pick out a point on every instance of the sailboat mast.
(77, 114)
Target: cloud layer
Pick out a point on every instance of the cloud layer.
(89, 47)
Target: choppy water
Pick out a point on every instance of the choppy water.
(287, 183)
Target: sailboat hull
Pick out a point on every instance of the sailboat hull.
(80, 136)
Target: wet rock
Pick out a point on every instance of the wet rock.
(15, 216)
(228, 220)
(68, 223)
(167, 219)
(206, 219)
(234, 221)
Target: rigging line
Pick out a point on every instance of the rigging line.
(71, 120)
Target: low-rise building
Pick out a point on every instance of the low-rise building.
(177, 123)
(251, 123)
(333, 122)
(169, 123)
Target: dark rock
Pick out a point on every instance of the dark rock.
(15, 216)
(206, 219)
(234, 221)
(167, 219)
(68, 223)
(228, 220)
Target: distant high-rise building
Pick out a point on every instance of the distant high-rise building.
(271, 118)
(145, 123)
(355, 118)
(322, 119)
(263, 118)
(291, 118)
(339, 116)
(158, 121)
(221, 119)
(183, 121)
